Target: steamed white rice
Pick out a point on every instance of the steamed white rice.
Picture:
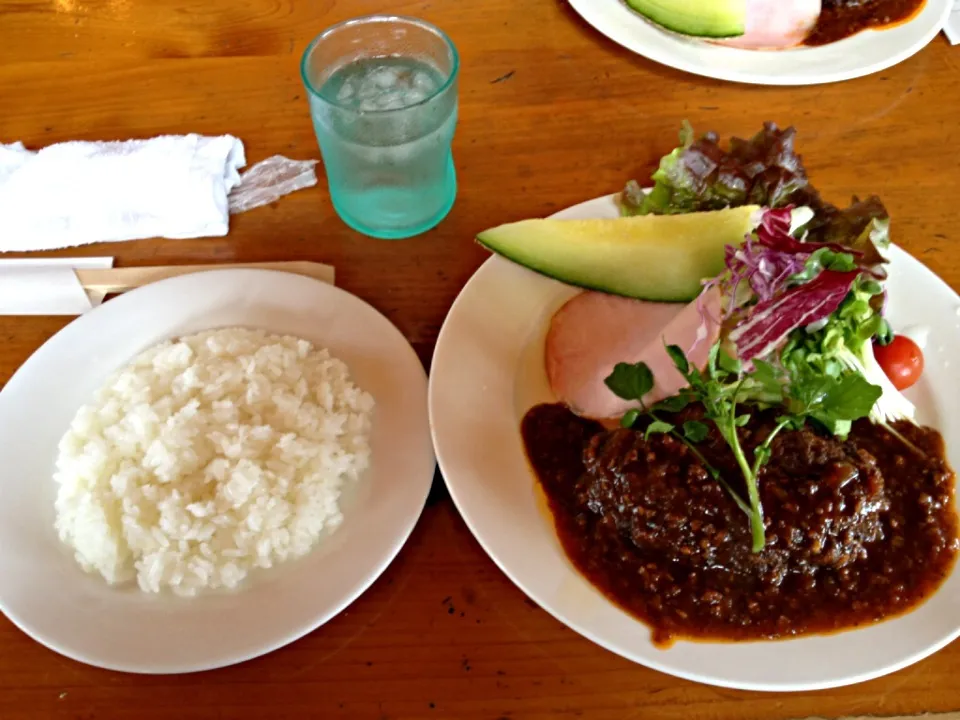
(209, 456)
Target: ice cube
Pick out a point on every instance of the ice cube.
(367, 90)
(388, 100)
(412, 97)
(346, 91)
(384, 77)
(424, 82)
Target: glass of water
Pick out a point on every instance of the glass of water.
(383, 96)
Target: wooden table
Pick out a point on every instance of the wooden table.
(551, 114)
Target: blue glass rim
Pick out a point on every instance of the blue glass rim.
(363, 20)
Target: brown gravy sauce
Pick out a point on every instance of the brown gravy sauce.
(840, 19)
(857, 531)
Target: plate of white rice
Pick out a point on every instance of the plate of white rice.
(206, 469)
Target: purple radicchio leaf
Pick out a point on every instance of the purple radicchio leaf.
(769, 322)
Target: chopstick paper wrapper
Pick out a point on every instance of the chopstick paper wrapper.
(73, 286)
(48, 286)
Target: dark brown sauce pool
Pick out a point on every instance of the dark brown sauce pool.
(840, 19)
(857, 531)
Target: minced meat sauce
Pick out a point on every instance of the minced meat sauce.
(842, 18)
(855, 531)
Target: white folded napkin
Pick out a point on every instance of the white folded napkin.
(952, 28)
(71, 193)
(47, 286)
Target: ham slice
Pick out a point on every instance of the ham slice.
(594, 331)
(776, 24)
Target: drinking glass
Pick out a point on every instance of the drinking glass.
(383, 97)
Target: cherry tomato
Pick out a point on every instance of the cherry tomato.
(901, 360)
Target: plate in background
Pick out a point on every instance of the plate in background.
(862, 54)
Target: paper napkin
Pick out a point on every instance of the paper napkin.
(173, 186)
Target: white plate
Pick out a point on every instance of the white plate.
(43, 590)
(865, 53)
(488, 371)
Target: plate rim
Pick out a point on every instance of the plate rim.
(623, 652)
(386, 556)
(626, 38)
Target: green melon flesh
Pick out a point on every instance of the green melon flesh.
(701, 18)
(652, 257)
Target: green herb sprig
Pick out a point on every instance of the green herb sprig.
(723, 388)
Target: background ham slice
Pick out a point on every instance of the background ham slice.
(594, 331)
(776, 24)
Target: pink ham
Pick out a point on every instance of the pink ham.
(776, 24)
(594, 331)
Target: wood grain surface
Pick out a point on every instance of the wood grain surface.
(551, 114)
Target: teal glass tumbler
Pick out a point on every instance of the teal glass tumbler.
(383, 98)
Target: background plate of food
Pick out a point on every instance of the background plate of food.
(767, 504)
(207, 468)
(771, 42)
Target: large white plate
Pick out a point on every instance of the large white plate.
(488, 371)
(44, 591)
(865, 53)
